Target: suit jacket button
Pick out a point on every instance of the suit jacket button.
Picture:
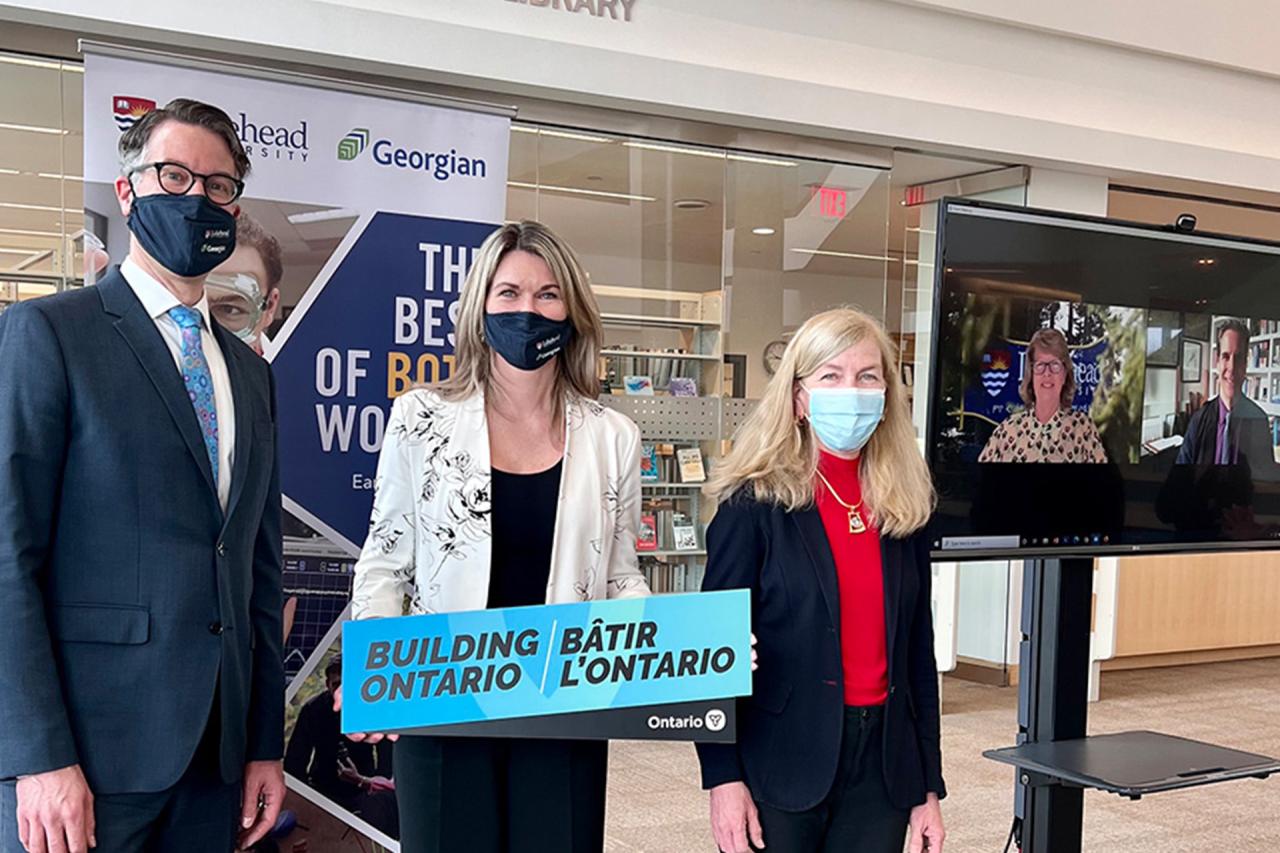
(222, 549)
(215, 628)
(892, 688)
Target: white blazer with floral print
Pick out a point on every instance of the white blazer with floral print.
(430, 534)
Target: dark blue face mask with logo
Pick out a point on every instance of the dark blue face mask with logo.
(526, 340)
(186, 234)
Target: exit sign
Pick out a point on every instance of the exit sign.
(832, 201)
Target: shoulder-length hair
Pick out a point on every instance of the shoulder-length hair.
(774, 452)
(1054, 343)
(576, 365)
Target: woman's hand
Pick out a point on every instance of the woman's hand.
(926, 827)
(734, 818)
(358, 737)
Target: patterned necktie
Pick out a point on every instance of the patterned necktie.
(199, 382)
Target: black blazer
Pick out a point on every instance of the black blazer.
(789, 729)
(131, 598)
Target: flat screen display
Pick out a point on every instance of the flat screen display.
(1101, 387)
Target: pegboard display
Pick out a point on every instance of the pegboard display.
(670, 418)
(735, 412)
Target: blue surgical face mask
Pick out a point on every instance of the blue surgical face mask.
(525, 339)
(844, 418)
(186, 234)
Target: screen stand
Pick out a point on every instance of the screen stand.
(1053, 687)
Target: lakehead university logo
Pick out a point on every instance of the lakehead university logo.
(127, 110)
(260, 140)
(350, 146)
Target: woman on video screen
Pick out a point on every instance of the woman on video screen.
(1048, 430)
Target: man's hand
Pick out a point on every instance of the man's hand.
(734, 818)
(55, 812)
(261, 801)
(926, 826)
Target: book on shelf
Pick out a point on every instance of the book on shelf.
(639, 386)
(648, 463)
(682, 386)
(691, 468)
(684, 533)
(647, 537)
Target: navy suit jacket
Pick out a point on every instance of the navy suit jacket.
(790, 728)
(131, 599)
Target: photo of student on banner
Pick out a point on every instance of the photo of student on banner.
(244, 290)
(822, 507)
(506, 485)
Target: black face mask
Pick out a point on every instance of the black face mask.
(526, 340)
(186, 234)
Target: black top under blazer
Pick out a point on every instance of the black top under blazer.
(789, 729)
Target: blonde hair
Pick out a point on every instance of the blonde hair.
(1054, 343)
(776, 454)
(576, 365)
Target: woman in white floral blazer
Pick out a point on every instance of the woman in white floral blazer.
(507, 485)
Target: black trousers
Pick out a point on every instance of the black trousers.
(197, 815)
(497, 795)
(857, 816)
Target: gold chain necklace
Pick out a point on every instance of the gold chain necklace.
(856, 524)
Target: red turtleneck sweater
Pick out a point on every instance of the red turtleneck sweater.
(861, 581)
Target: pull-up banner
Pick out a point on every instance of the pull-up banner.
(414, 672)
(371, 207)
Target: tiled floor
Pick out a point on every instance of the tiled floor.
(656, 806)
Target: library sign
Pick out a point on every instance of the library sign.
(676, 660)
(616, 10)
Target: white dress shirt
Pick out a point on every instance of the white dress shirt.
(156, 299)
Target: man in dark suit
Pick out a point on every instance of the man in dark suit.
(1230, 429)
(141, 676)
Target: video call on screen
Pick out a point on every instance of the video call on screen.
(1102, 387)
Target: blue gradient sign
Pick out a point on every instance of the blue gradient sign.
(416, 671)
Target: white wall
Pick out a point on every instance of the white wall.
(1121, 89)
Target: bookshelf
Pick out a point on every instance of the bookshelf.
(652, 337)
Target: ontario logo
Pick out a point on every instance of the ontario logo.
(995, 370)
(127, 109)
(350, 146)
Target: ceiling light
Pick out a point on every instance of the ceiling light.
(322, 215)
(763, 232)
(17, 206)
(676, 149)
(854, 255)
(57, 177)
(30, 233)
(579, 191)
(31, 128)
(764, 161)
(691, 204)
(562, 134)
(32, 63)
(1205, 262)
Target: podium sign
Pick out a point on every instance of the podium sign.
(532, 664)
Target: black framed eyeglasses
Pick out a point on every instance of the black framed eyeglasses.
(177, 179)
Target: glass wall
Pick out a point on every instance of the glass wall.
(704, 262)
(41, 199)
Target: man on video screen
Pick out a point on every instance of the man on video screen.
(1230, 429)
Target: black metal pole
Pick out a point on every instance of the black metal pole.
(1053, 693)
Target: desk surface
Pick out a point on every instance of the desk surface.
(1134, 764)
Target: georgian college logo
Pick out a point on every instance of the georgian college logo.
(350, 146)
(127, 109)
